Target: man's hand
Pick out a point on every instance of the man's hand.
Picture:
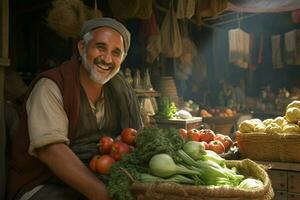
(68, 167)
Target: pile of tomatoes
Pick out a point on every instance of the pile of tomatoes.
(218, 143)
(112, 150)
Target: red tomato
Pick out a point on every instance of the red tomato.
(216, 146)
(183, 133)
(118, 149)
(101, 164)
(226, 140)
(207, 135)
(206, 145)
(105, 144)
(128, 135)
(92, 163)
(193, 134)
(218, 135)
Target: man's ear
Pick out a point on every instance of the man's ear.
(80, 47)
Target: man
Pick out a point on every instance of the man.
(66, 111)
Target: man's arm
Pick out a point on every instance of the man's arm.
(67, 166)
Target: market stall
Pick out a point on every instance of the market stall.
(216, 84)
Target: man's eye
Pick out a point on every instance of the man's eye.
(116, 53)
(100, 47)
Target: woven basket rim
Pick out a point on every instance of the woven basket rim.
(268, 136)
(212, 191)
(269, 147)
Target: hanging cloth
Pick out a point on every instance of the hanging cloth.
(209, 8)
(291, 47)
(260, 50)
(145, 9)
(170, 35)
(185, 8)
(124, 9)
(239, 47)
(276, 52)
(154, 43)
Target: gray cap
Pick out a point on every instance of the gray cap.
(107, 22)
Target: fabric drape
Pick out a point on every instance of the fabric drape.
(239, 47)
(276, 52)
(292, 47)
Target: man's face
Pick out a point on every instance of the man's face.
(103, 54)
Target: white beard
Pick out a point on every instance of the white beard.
(94, 74)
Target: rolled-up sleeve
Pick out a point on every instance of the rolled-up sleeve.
(47, 120)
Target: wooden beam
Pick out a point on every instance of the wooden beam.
(4, 26)
(4, 12)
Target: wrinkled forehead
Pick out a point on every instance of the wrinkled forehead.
(108, 36)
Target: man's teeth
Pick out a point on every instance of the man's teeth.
(103, 67)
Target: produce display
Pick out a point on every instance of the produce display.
(170, 155)
(275, 139)
(218, 143)
(289, 123)
(218, 112)
(111, 150)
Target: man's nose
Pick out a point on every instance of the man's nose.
(107, 57)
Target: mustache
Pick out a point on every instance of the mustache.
(99, 61)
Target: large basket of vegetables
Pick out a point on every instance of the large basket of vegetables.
(275, 139)
(172, 191)
(165, 166)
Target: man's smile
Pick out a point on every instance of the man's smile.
(101, 64)
(103, 67)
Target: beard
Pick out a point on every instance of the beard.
(94, 74)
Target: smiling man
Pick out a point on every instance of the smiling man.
(65, 112)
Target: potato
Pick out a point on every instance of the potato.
(280, 121)
(291, 128)
(260, 128)
(294, 104)
(273, 128)
(246, 126)
(266, 122)
(292, 114)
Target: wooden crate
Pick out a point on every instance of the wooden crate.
(279, 179)
(194, 122)
(221, 125)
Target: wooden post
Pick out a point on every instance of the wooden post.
(4, 61)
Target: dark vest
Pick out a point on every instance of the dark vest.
(121, 107)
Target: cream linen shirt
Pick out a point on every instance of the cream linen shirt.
(47, 120)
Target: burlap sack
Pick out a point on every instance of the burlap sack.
(170, 35)
(172, 191)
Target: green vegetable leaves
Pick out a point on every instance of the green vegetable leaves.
(166, 108)
(149, 142)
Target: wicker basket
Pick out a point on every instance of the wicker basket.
(169, 191)
(276, 147)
